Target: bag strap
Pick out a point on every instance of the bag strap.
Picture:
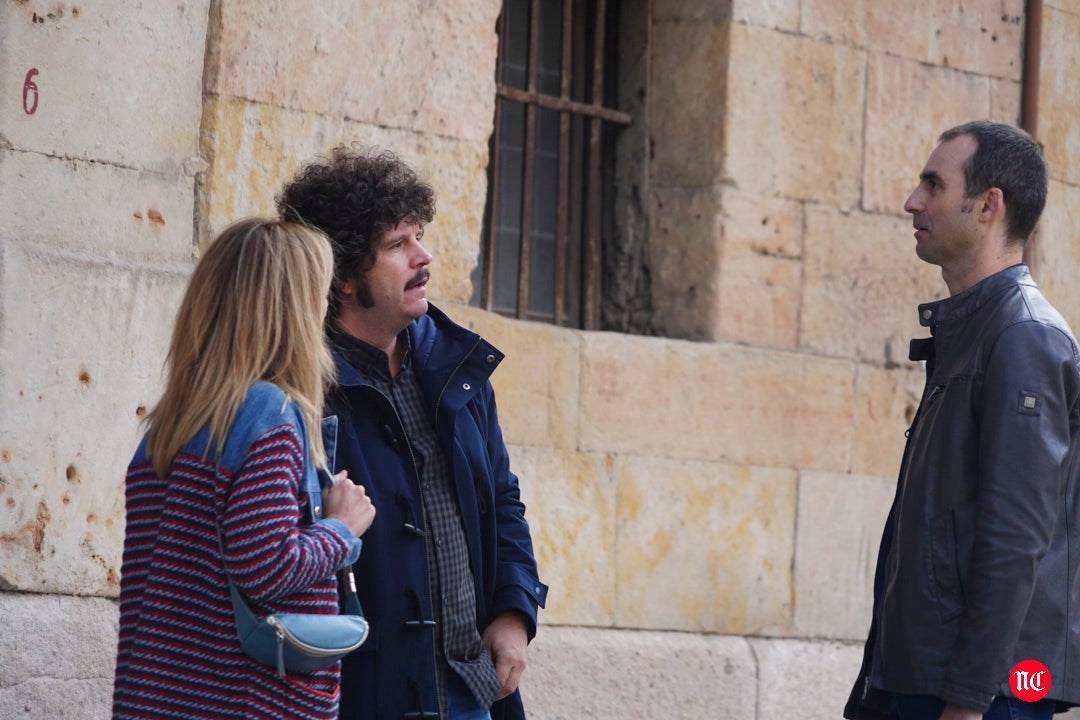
(348, 586)
(241, 607)
(314, 490)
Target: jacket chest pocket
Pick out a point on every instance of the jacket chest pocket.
(953, 388)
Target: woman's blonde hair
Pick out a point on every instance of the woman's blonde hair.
(253, 310)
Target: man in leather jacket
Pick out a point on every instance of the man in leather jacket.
(977, 568)
(447, 577)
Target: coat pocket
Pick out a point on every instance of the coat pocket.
(945, 571)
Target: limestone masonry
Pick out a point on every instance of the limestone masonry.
(705, 501)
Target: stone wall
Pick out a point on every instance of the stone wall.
(706, 505)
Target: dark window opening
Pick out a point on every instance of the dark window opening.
(550, 177)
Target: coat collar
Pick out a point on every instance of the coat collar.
(963, 304)
(439, 346)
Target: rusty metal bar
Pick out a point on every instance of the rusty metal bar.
(563, 189)
(591, 259)
(562, 104)
(529, 152)
(1029, 96)
(1029, 111)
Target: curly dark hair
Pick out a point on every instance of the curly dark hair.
(354, 195)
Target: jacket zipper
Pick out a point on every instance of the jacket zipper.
(933, 391)
(926, 401)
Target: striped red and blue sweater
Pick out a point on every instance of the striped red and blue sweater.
(178, 654)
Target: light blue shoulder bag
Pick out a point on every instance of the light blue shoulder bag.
(302, 642)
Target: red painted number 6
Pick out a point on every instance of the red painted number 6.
(30, 92)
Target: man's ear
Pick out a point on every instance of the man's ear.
(344, 288)
(993, 206)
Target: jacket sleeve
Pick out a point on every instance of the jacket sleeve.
(517, 582)
(269, 555)
(1023, 410)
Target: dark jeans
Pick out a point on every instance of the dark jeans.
(928, 707)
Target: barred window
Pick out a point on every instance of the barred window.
(550, 172)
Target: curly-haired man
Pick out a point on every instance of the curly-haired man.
(447, 575)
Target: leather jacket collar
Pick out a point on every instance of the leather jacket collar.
(961, 305)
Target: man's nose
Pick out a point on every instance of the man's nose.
(422, 256)
(913, 204)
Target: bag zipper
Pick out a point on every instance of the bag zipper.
(284, 636)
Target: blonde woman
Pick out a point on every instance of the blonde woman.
(232, 445)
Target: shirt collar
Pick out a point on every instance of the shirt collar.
(366, 358)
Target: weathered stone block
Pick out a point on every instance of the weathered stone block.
(1059, 91)
(38, 642)
(84, 378)
(704, 547)
(577, 673)
(115, 82)
(1005, 100)
(839, 528)
(983, 38)
(57, 656)
(95, 209)
(1057, 251)
(686, 119)
(715, 402)
(425, 68)
(255, 149)
(570, 501)
(761, 269)
(537, 384)
(885, 404)
(774, 14)
(663, 10)
(685, 274)
(800, 680)
(740, 280)
(908, 105)
(874, 26)
(47, 697)
(789, 128)
(861, 286)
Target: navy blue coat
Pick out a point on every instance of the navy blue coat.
(392, 676)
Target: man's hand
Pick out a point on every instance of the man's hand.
(955, 712)
(506, 640)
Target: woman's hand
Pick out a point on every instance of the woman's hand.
(348, 502)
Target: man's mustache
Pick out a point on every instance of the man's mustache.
(421, 275)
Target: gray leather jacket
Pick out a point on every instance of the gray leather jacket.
(977, 568)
